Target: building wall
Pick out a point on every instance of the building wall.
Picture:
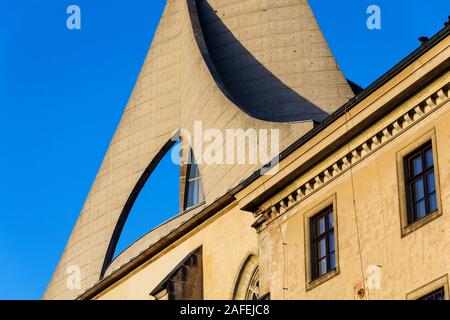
(368, 212)
(227, 240)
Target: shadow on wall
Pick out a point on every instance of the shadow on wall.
(242, 77)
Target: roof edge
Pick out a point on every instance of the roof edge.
(403, 64)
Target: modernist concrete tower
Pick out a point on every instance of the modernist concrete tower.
(258, 64)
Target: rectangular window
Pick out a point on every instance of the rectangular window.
(420, 183)
(435, 295)
(194, 191)
(323, 250)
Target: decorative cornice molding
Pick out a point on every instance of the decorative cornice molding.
(355, 156)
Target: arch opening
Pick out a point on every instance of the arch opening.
(154, 200)
(247, 283)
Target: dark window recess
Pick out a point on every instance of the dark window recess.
(265, 297)
(185, 282)
(194, 189)
(323, 250)
(435, 295)
(420, 183)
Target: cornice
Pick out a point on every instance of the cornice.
(316, 182)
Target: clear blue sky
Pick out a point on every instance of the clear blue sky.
(62, 94)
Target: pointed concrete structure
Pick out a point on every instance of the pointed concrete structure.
(258, 64)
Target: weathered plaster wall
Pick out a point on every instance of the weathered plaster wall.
(368, 215)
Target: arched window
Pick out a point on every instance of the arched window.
(253, 287)
(247, 283)
(194, 190)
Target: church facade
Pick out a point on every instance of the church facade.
(350, 199)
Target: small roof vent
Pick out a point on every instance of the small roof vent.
(423, 40)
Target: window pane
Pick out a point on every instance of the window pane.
(436, 295)
(418, 190)
(416, 165)
(191, 195)
(421, 189)
(429, 158)
(193, 171)
(201, 194)
(431, 182)
(330, 220)
(432, 201)
(331, 241)
(419, 208)
(322, 267)
(194, 188)
(322, 230)
(195, 192)
(320, 225)
(332, 261)
(322, 248)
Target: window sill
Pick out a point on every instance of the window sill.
(195, 206)
(420, 223)
(313, 284)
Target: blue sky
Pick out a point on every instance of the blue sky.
(62, 94)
